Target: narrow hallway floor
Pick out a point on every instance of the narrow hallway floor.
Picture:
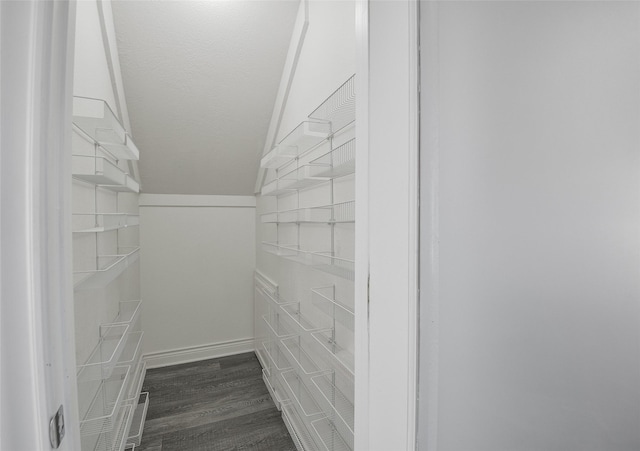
(213, 405)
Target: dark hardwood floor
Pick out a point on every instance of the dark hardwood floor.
(214, 405)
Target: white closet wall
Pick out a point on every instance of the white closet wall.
(198, 257)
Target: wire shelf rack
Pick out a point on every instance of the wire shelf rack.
(279, 330)
(105, 355)
(139, 416)
(301, 352)
(332, 264)
(276, 356)
(330, 437)
(338, 162)
(128, 313)
(304, 137)
(342, 212)
(302, 323)
(339, 402)
(101, 415)
(323, 299)
(340, 107)
(138, 378)
(132, 349)
(95, 119)
(300, 394)
(107, 268)
(299, 431)
(102, 222)
(343, 357)
(114, 440)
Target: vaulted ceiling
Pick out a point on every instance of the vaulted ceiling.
(200, 79)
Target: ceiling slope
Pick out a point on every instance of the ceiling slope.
(200, 79)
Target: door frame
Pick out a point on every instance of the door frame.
(387, 225)
(37, 326)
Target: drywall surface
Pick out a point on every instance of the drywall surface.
(201, 78)
(538, 223)
(197, 263)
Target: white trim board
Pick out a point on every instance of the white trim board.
(361, 285)
(192, 200)
(196, 353)
(37, 329)
(392, 208)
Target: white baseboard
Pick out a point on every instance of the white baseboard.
(197, 353)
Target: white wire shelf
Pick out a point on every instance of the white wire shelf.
(130, 186)
(274, 298)
(343, 357)
(270, 389)
(265, 283)
(326, 262)
(332, 264)
(107, 268)
(331, 439)
(338, 162)
(281, 250)
(301, 178)
(340, 107)
(323, 299)
(288, 251)
(302, 323)
(299, 350)
(342, 212)
(299, 431)
(102, 172)
(97, 120)
(275, 388)
(340, 404)
(269, 218)
(102, 222)
(295, 180)
(132, 349)
(128, 313)
(139, 417)
(300, 395)
(272, 189)
(114, 440)
(101, 415)
(138, 379)
(304, 137)
(279, 330)
(97, 170)
(106, 354)
(260, 352)
(276, 356)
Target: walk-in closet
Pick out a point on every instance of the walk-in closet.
(319, 225)
(263, 263)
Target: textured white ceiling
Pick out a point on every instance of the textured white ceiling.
(200, 79)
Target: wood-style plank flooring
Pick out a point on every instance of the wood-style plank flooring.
(213, 405)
